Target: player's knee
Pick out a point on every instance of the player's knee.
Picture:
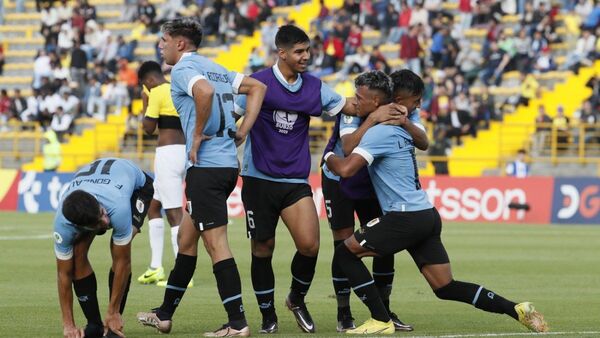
(263, 248)
(447, 291)
(309, 249)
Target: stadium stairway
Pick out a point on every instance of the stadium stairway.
(486, 151)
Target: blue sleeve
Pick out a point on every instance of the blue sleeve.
(348, 124)
(185, 76)
(120, 220)
(415, 118)
(240, 105)
(377, 142)
(63, 238)
(331, 101)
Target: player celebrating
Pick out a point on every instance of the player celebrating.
(356, 194)
(202, 92)
(409, 222)
(169, 166)
(108, 193)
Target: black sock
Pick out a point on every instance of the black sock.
(362, 283)
(340, 282)
(478, 296)
(179, 278)
(383, 275)
(303, 271)
(111, 276)
(230, 290)
(85, 290)
(263, 282)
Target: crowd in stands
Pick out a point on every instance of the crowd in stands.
(459, 70)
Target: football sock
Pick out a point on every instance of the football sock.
(174, 232)
(362, 283)
(230, 290)
(263, 282)
(383, 275)
(179, 278)
(111, 276)
(340, 281)
(478, 296)
(85, 290)
(156, 234)
(303, 271)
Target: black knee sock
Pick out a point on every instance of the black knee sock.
(362, 283)
(303, 271)
(230, 290)
(478, 296)
(179, 278)
(111, 276)
(383, 275)
(340, 282)
(263, 282)
(85, 290)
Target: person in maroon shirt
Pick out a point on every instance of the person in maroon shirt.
(410, 49)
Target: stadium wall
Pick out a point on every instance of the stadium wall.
(483, 199)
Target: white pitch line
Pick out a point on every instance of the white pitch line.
(21, 238)
(511, 334)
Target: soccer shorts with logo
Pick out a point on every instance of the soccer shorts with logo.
(169, 171)
(264, 200)
(140, 201)
(340, 209)
(207, 190)
(419, 232)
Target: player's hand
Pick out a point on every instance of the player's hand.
(392, 113)
(114, 323)
(72, 332)
(196, 142)
(240, 138)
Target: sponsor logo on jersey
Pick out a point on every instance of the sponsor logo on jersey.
(284, 120)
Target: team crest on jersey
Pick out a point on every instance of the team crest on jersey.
(284, 120)
(348, 119)
(57, 238)
(139, 205)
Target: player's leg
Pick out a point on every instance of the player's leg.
(86, 286)
(432, 259)
(300, 217)
(262, 215)
(156, 230)
(383, 266)
(217, 184)
(174, 217)
(340, 215)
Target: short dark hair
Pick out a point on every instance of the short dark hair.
(147, 68)
(289, 35)
(407, 81)
(81, 208)
(186, 27)
(375, 80)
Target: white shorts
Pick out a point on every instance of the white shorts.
(169, 171)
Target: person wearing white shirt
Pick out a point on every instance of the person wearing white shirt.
(518, 168)
(61, 123)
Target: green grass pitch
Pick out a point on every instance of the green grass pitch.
(556, 267)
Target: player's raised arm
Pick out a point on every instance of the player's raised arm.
(255, 93)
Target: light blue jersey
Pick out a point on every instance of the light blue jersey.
(332, 103)
(349, 124)
(390, 152)
(112, 181)
(219, 151)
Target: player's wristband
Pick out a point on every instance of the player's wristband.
(328, 155)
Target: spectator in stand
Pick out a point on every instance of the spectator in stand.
(486, 107)
(588, 119)
(61, 123)
(466, 14)
(458, 123)
(95, 104)
(593, 19)
(146, 9)
(518, 168)
(31, 112)
(585, 46)
(377, 61)
(321, 63)
(256, 61)
(529, 89)
(562, 125)
(51, 151)
(88, 11)
(441, 146)
(545, 62)
(354, 40)
(334, 46)
(322, 17)
(18, 105)
(78, 67)
(268, 32)
(69, 103)
(419, 15)
(64, 11)
(128, 77)
(65, 37)
(410, 50)
(523, 51)
(108, 54)
(5, 113)
(126, 50)
(356, 63)
(78, 24)
(390, 25)
(495, 62)
(1, 59)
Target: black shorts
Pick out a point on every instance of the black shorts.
(264, 200)
(340, 209)
(207, 190)
(419, 232)
(140, 201)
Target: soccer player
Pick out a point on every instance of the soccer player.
(276, 166)
(169, 166)
(108, 193)
(202, 92)
(409, 222)
(355, 194)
